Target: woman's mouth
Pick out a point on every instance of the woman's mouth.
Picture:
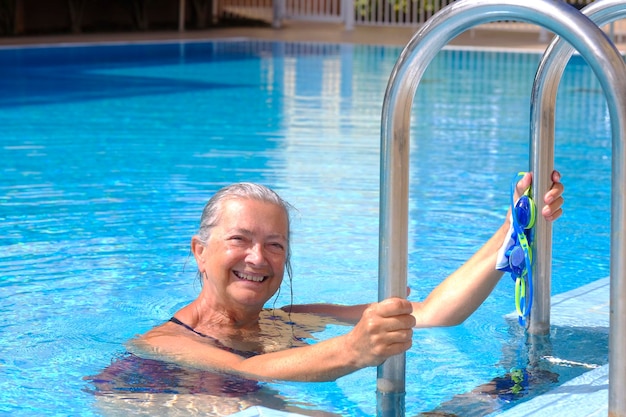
(248, 277)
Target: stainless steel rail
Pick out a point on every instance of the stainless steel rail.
(442, 27)
(543, 104)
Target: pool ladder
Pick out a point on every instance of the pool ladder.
(585, 37)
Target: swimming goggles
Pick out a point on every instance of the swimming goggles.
(517, 256)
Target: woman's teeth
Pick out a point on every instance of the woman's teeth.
(255, 278)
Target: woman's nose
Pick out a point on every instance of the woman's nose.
(255, 254)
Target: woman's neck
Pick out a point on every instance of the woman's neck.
(216, 317)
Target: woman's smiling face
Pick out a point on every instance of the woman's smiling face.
(244, 258)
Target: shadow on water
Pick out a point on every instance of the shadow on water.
(36, 76)
(537, 364)
(39, 76)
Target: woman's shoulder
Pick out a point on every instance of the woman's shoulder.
(174, 335)
(159, 334)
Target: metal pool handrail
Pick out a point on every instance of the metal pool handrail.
(543, 104)
(442, 27)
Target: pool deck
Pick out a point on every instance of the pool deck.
(480, 37)
(586, 395)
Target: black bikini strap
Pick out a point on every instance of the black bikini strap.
(186, 326)
(215, 341)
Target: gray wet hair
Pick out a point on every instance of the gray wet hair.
(242, 191)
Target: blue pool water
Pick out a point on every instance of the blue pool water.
(110, 152)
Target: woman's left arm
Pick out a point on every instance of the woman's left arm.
(341, 314)
(459, 295)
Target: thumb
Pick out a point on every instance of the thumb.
(522, 185)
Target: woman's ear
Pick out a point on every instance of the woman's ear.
(197, 248)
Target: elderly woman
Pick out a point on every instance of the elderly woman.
(242, 253)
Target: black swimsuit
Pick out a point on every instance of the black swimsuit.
(131, 373)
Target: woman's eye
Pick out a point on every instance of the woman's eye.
(277, 246)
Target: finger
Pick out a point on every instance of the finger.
(523, 184)
(399, 337)
(394, 306)
(381, 353)
(554, 198)
(405, 322)
(553, 211)
(403, 347)
(554, 193)
(552, 215)
(398, 348)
